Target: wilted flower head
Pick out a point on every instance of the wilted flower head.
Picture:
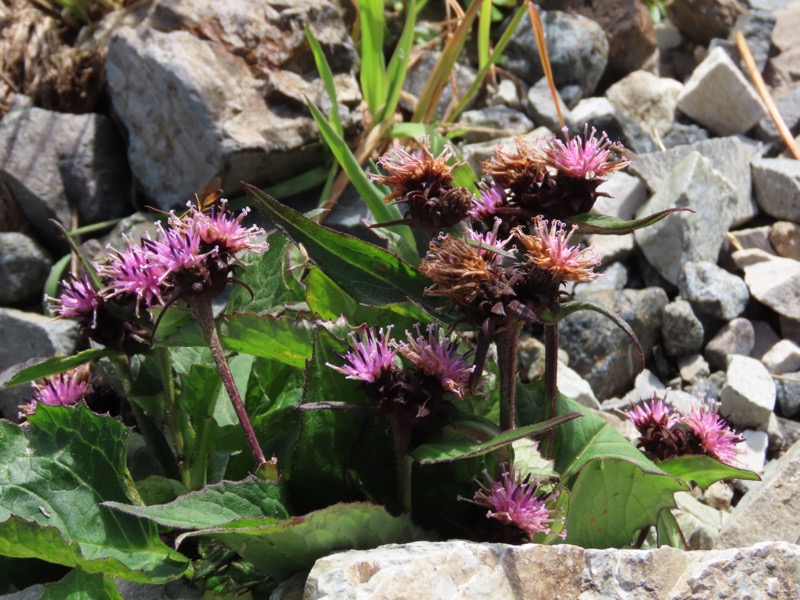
(549, 249)
(63, 389)
(713, 433)
(521, 169)
(512, 500)
(438, 359)
(587, 158)
(78, 299)
(409, 172)
(370, 357)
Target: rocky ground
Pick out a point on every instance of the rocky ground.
(195, 88)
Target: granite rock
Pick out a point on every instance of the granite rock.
(735, 337)
(646, 99)
(713, 291)
(681, 331)
(748, 396)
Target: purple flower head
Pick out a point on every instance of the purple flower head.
(491, 198)
(407, 172)
(78, 298)
(587, 158)
(177, 249)
(548, 248)
(220, 228)
(438, 359)
(713, 433)
(490, 238)
(370, 356)
(655, 413)
(512, 500)
(134, 272)
(63, 389)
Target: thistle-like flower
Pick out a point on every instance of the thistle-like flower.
(521, 170)
(133, 272)
(486, 204)
(176, 249)
(220, 229)
(409, 172)
(491, 243)
(438, 359)
(78, 299)
(63, 389)
(513, 500)
(370, 358)
(587, 158)
(713, 434)
(654, 413)
(549, 250)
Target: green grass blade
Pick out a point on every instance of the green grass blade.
(484, 30)
(493, 58)
(373, 63)
(398, 64)
(374, 198)
(326, 75)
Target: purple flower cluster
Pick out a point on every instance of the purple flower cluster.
(193, 256)
(665, 432)
(64, 389)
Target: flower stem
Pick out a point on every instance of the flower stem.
(506, 339)
(168, 385)
(550, 383)
(201, 307)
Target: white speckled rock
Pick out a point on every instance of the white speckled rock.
(748, 396)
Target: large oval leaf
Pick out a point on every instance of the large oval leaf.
(703, 470)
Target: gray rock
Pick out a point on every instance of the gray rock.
(626, 196)
(784, 237)
(719, 97)
(713, 291)
(420, 71)
(772, 280)
(54, 162)
(578, 50)
(683, 134)
(25, 336)
(756, 27)
(574, 386)
(599, 351)
(769, 511)
(729, 156)
(668, 37)
(508, 93)
(783, 357)
(681, 331)
(460, 569)
(614, 277)
(702, 20)
(787, 21)
(753, 237)
(753, 454)
(611, 248)
(682, 237)
(647, 99)
(478, 153)
(765, 338)
(748, 396)
(700, 524)
(787, 101)
(788, 393)
(735, 337)
(495, 121)
(784, 69)
(24, 267)
(710, 386)
(172, 91)
(693, 368)
(540, 109)
(645, 385)
(790, 328)
(777, 186)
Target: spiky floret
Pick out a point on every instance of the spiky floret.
(78, 299)
(548, 248)
(370, 357)
(407, 172)
(133, 272)
(521, 169)
(713, 433)
(62, 389)
(438, 358)
(587, 157)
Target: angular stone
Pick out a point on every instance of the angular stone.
(684, 134)
(647, 99)
(719, 97)
(729, 156)
(777, 186)
(471, 571)
(681, 331)
(627, 195)
(787, 24)
(772, 280)
(420, 71)
(787, 101)
(599, 113)
(713, 291)
(770, 510)
(24, 267)
(576, 387)
(599, 350)
(735, 337)
(788, 393)
(784, 236)
(541, 110)
(765, 338)
(683, 237)
(748, 396)
(754, 237)
(611, 248)
(493, 122)
(700, 524)
(754, 450)
(783, 357)
(693, 368)
(702, 20)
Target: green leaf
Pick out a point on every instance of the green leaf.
(282, 549)
(326, 75)
(606, 224)
(612, 499)
(668, 531)
(214, 505)
(560, 508)
(451, 450)
(79, 585)
(368, 273)
(36, 368)
(484, 32)
(703, 470)
(56, 471)
(372, 195)
(373, 64)
(273, 288)
(331, 302)
(398, 64)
